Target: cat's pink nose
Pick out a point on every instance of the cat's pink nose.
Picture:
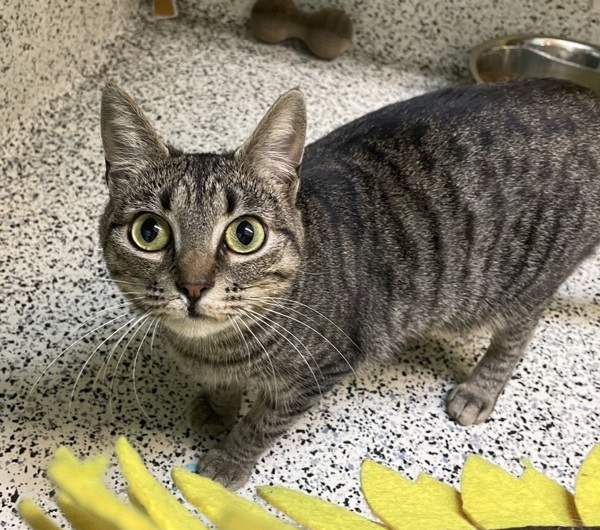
(193, 290)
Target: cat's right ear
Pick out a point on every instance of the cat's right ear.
(274, 150)
(130, 142)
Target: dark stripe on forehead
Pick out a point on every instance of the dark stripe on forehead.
(232, 201)
(165, 198)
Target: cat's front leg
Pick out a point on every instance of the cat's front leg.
(215, 410)
(231, 462)
(472, 402)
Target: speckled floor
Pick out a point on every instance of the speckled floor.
(205, 88)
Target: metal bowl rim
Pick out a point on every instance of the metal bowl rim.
(516, 40)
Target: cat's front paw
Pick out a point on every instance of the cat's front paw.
(225, 469)
(202, 417)
(469, 404)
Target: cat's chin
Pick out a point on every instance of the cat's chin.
(196, 327)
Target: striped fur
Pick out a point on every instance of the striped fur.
(462, 208)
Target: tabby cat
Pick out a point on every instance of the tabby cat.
(281, 269)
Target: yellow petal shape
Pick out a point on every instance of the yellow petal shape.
(438, 495)
(587, 488)
(224, 508)
(79, 518)
(92, 467)
(494, 499)
(82, 484)
(403, 504)
(145, 491)
(35, 517)
(312, 512)
(557, 497)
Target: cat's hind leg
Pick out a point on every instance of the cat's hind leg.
(472, 402)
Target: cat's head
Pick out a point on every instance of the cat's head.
(198, 239)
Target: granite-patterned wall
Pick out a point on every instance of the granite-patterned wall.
(433, 35)
(47, 46)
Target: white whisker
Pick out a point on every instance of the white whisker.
(263, 319)
(154, 333)
(289, 300)
(141, 321)
(87, 361)
(268, 357)
(139, 284)
(133, 371)
(244, 341)
(122, 304)
(94, 315)
(318, 333)
(55, 360)
(104, 365)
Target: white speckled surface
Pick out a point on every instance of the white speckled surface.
(432, 37)
(205, 87)
(48, 48)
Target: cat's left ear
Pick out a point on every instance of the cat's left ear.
(130, 142)
(275, 149)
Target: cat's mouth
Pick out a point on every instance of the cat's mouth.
(196, 324)
(198, 311)
(196, 314)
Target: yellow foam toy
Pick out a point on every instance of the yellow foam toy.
(313, 513)
(399, 502)
(223, 507)
(562, 500)
(496, 499)
(587, 488)
(35, 516)
(491, 498)
(145, 491)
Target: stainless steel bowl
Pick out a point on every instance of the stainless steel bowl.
(524, 56)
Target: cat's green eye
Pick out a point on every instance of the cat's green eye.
(150, 232)
(245, 235)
